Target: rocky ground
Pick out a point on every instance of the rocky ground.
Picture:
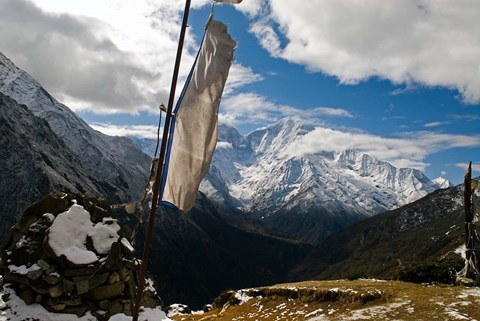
(344, 300)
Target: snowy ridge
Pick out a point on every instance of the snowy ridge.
(442, 182)
(116, 160)
(254, 173)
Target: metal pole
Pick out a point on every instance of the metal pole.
(156, 185)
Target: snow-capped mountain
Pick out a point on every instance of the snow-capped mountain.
(116, 160)
(442, 182)
(255, 174)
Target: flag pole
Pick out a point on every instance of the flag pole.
(156, 185)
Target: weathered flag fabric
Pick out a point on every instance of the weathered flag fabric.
(193, 132)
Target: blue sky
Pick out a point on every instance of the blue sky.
(398, 80)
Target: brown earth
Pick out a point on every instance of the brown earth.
(345, 300)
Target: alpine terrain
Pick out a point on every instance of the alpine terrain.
(116, 160)
(431, 228)
(279, 199)
(194, 256)
(35, 162)
(306, 196)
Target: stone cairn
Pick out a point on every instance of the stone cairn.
(98, 274)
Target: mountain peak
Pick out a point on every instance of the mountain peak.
(263, 177)
(442, 182)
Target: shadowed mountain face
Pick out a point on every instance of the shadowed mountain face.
(116, 160)
(197, 255)
(35, 162)
(46, 149)
(194, 256)
(430, 228)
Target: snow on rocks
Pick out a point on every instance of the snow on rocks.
(14, 308)
(68, 235)
(72, 257)
(104, 234)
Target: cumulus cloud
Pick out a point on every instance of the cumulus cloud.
(408, 150)
(256, 109)
(429, 42)
(75, 59)
(112, 56)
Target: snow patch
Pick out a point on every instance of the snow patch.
(49, 216)
(242, 296)
(127, 244)
(69, 231)
(371, 312)
(16, 309)
(68, 235)
(225, 145)
(460, 251)
(22, 269)
(104, 234)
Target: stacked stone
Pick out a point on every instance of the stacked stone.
(104, 287)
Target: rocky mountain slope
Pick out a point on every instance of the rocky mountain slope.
(308, 196)
(431, 228)
(116, 160)
(260, 173)
(195, 256)
(305, 196)
(34, 162)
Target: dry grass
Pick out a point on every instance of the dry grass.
(345, 300)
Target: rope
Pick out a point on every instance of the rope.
(151, 180)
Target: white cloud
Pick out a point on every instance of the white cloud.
(430, 42)
(250, 7)
(142, 131)
(464, 166)
(256, 109)
(111, 56)
(435, 124)
(410, 150)
(240, 76)
(465, 117)
(226, 145)
(267, 37)
(333, 112)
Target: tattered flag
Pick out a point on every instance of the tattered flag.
(193, 132)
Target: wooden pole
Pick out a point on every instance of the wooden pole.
(158, 179)
(469, 229)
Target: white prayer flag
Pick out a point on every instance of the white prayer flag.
(193, 134)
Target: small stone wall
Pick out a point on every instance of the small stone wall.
(75, 265)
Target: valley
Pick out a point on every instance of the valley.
(265, 213)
